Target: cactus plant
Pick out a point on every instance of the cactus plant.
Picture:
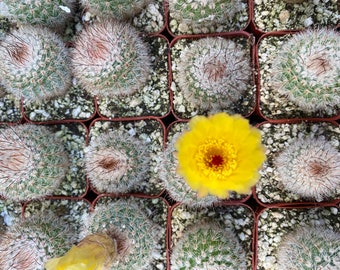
(33, 162)
(116, 161)
(310, 247)
(309, 167)
(34, 64)
(28, 244)
(208, 246)
(175, 184)
(199, 16)
(121, 10)
(213, 73)
(307, 69)
(109, 58)
(39, 12)
(134, 232)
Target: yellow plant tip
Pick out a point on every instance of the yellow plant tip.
(220, 153)
(94, 252)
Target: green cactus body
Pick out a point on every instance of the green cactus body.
(208, 246)
(110, 59)
(310, 247)
(309, 167)
(198, 14)
(213, 73)
(50, 13)
(135, 234)
(307, 69)
(175, 184)
(33, 162)
(118, 9)
(34, 64)
(116, 162)
(28, 244)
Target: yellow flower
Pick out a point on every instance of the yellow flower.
(94, 252)
(220, 153)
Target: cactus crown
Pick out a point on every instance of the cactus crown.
(116, 162)
(33, 162)
(34, 64)
(213, 73)
(109, 59)
(208, 246)
(310, 247)
(307, 69)
(309, 167)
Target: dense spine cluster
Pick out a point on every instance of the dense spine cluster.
(33, 162)
(116, 162)
(208, 246)
(34, 64)
(309, 167)
(28, 244)
(109, 58)
(307, 69)
(213, 73)
(135, 234)
(310, 247)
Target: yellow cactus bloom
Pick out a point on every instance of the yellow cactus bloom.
(94, 252)
(220, 153)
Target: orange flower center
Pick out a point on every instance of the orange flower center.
(216, 158)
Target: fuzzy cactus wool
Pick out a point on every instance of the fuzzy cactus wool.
(33, 162)
(213, 73)
(116, 162)
(307, 69)
(208, 246)
(34, 64)
(309, 167)
(110, 58)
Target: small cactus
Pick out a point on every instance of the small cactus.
(34, 64)
(175, 184)
(33, 162)
(310, 247)
(109, 59)
(307, 69)
(208, 246)
(198, 14)
(213, 73)
(135, 234)
(120, 10)
(50, 13)
(309, 167)
(28, 244)
(116, 162)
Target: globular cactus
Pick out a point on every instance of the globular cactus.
(213, 73)
(136, 235)
(197, 14)
(28, 244)
(116, 162)
(33, 162)
(50, 13)
(309, 167)
(120, 10)
(109, 58)
(175, 184)
(310, 247)
(34, 64)
(208, 246)
(307, 69)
